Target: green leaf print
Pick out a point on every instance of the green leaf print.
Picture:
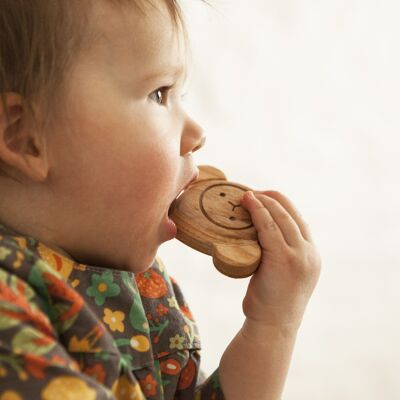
(36, 280)
(60, 325)
(103, 355)
(4, 253)
(125, 362)
(29, 340)
(5, 320)
(129, 282)
(137, 315)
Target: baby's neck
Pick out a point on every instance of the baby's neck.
(23, 210)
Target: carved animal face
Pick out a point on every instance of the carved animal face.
(220, 203)
(210, 219)
(212, 207)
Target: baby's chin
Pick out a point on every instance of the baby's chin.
(144, 267)
(141, 262)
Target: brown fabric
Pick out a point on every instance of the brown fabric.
(69, 330)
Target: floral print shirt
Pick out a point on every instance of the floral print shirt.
(74, 331)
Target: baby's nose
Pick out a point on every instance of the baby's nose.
(193, 137)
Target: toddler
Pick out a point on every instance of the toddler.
(94, 148)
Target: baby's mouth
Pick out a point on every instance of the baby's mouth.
(192, 181)
(172, 206)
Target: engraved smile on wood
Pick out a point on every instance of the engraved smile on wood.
(220, 204)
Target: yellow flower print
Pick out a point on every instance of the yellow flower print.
(75, 283)
(114, 319)
(176, 342)
(68, 388)
(123, 389)
(4, 253)
(10, 395)
(140, 343)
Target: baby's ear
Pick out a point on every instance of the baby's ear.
(22, 145)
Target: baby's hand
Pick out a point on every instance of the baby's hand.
(279, 290)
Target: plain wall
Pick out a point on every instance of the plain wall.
(303, 97)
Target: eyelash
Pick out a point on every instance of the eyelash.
(164, 90)
(161, 95)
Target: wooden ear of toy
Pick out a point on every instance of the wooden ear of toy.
(210, 219)
(207, 172)
(237, 261)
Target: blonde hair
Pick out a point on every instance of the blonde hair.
(38, 41)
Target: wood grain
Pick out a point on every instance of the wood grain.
(210, 219)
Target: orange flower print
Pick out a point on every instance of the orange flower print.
(97, 372)
(114, 320)
(162, 310)
(185, 310)
(149, 385)
(35, 365)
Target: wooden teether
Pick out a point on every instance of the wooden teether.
(210, 219)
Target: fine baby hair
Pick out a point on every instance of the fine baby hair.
(39, 41)
(96, 173)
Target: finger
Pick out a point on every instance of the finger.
(269, 234)
(291, 209)
(290, 230)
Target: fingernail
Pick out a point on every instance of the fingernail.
(250, 195)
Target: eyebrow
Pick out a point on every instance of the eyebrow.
(167, 72)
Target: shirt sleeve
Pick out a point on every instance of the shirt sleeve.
(210, 389)
(203, 388)
(33, 364)
(200, 388)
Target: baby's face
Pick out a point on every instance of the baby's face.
(122, 152)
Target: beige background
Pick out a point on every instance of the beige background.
(303, 97)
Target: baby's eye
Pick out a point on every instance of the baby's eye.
(160, 95)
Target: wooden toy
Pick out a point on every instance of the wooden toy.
(210, 219)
